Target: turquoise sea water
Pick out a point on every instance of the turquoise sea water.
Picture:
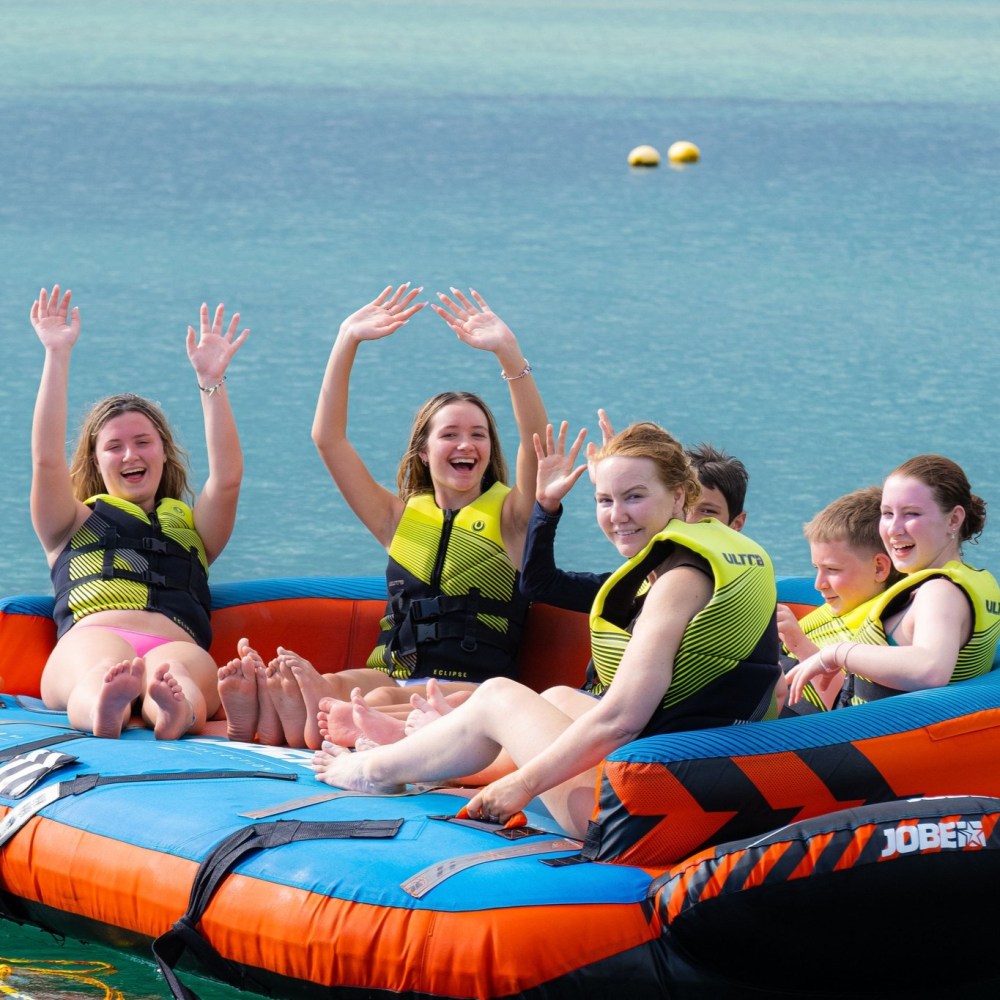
(818, 295)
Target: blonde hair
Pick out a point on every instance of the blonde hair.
(84, 473)
(649, 440)
(853, 518)
(414, 476)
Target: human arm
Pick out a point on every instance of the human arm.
(641, 681)
(938, 623)
(791, 634)
(55, 511)
(210, 352)
(375, 506)
(475, 324)
(541, 580)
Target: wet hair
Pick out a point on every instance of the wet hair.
(649, 440)
(950, 488)
(853, 518)
(414, 476)
(83, 471)
(718, 471)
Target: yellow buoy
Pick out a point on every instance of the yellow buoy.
(644, 156)
(684, 152)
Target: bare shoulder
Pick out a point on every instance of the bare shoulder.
(940, 592)
(683, 581)
(55, 536)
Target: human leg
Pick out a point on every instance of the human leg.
(95, 676)
(182, 689)
(500, 714)
(572, 702)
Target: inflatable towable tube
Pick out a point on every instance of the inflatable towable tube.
(110, 845)
(884, 900)
(666, 797)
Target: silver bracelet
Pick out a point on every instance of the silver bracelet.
(212, 389)
(827, 669)
(853, 647)
(513, 378)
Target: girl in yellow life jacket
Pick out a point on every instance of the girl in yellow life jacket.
(129, 558)
(698, 646)
(940, 623)
(453, 530)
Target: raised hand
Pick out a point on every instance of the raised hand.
(557, 469)
(211, 351)
(474, 322)
(791, 634)
(607, 433)
(55, 325)
(384, 315)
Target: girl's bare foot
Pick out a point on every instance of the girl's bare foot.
(122, 685)
(339, 767)
(335, 723)
(375, 726)
(314, 688)
(426, 710)
(238, 692)
(269, 728)
(283, 687)
(175, 716)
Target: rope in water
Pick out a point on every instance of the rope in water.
(82, 972)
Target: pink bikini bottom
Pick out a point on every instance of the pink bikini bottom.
(141, 642)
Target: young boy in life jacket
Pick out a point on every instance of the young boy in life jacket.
(852, 569)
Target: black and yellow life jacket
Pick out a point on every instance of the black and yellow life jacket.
(823, 627)
(123, 559)
(974, 658)
(454, 608)
(727, 663)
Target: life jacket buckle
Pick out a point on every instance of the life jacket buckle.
(426, 633)
(425, 609)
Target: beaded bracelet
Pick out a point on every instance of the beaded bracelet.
(513, 378)
(212, 389)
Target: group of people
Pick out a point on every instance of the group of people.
(685, 634)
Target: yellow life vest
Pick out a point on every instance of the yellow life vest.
(974, 658)
(454, 611)
(727, 663)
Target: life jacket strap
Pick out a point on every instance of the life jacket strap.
(216, 868)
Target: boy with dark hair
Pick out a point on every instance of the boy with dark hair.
(724, 481)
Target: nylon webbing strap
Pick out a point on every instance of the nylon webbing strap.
(23, 811)
(420, 884)
(217, 866)
(45, 741)
(310, 800)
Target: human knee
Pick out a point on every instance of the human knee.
(560, 695)
(497, 691)
(381, 697)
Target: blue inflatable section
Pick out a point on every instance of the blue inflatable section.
(227, 595)
(187, 817)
